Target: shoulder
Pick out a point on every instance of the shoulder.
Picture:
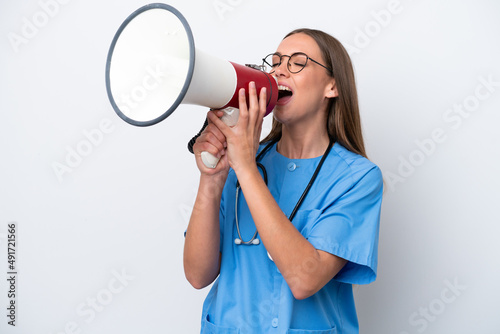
(353, 168)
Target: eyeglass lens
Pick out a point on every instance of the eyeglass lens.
(296, 62)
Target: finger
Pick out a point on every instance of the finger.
(205, 146)
(212, 135)
(209, 138)
(262, 113)
(217, 122)
(263, 102)
(262, 110)
(212, 139)
(217, 113)
(242, 105)
(254, 103)
(214, 131)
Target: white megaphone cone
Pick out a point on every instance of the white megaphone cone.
(153, 67)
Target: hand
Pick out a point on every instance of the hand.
(243, 139)
(211, 140)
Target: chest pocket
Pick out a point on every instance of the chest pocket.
(209, 328)
(313, 331)
(305, 220)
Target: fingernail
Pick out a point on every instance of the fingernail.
(252, 84)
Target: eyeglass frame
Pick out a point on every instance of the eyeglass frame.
(288, 62)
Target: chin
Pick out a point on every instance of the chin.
(280, 115)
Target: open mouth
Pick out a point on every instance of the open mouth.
(284, 91)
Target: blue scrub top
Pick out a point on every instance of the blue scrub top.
(340, 215)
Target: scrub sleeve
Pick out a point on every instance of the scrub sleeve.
(347, 229)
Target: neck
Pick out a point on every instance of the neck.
(294, 145)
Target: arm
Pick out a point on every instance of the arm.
(202, 243)
(305, 268)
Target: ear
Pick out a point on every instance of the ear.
(331, 89)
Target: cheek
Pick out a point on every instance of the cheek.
(311, 96)
(311, 84)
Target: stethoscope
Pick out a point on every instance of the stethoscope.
(254, 240)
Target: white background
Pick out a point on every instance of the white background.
(123, 208)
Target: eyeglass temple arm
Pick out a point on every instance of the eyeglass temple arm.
(257, 67)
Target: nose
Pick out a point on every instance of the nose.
(282, 69)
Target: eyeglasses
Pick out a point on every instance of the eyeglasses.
(296, 62)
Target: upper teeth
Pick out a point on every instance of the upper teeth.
(280, 87)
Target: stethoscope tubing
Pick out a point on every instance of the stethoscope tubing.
(254, 240)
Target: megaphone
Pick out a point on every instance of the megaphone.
(153, 66)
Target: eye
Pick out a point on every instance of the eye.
(276, 61)
(299, 60)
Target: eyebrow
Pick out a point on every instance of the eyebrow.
(280, 54)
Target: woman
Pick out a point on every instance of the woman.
(286, 264)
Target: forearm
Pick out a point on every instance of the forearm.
(305, 269)
(202, 243)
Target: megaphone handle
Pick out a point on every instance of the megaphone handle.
(230, 118)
